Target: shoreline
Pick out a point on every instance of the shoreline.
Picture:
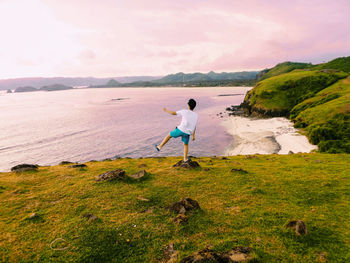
(264, 136)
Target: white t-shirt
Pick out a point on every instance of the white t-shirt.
(188, 122)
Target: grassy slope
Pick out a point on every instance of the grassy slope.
(326, 117)
(342, 64)
(281, 93)
(284, 67)
(237, 209)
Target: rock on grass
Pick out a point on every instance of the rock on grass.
(299, 226)
(24, 167)
(90, 217)
(65, 162)
(138, 175)
(184, 205)
(188, 165)
(112, 175)
(79, 165)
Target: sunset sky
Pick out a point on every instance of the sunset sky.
(157, 37)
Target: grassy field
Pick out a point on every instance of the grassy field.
(238, 209)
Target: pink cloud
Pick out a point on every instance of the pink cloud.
(156, 37)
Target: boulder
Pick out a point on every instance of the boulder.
(89, 217)
(79, 165)
(9, 91)
(299, 226)
(112, 175)
(24, 167)
(184, 205)
(188, 165)
(138, 175)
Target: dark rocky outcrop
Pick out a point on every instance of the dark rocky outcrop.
(236, 110)
(184, 205)
(9, 91)
(237, 254)
(79, 165)
(112, 175)
(188, 165)
(299, 226)
(138, 175)
(24, 167)
(65, 162)
(181, 208)
(90, 217)
(25, 89)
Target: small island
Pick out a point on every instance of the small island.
(55, 87)
(25, 89)
(52, 87)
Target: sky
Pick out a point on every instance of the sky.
(80, 38)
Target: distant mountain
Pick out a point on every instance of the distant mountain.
(195, 77)
(81, 81)
(211, 79)
(113, 83)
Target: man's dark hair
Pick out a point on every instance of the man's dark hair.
(192, 103)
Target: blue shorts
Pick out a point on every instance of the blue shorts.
(177, 133)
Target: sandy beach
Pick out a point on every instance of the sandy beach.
(264, 136)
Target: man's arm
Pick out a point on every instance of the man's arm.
(169, 111)
(194, 134)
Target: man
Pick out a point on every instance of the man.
(186, 128)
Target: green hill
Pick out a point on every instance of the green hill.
(282, 68)
(276, 96)
(248, 207)
(317, 99)
(342, 64)
(326, 117)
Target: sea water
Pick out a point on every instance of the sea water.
(79, 125)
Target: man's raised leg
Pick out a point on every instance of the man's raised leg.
(165, 140)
